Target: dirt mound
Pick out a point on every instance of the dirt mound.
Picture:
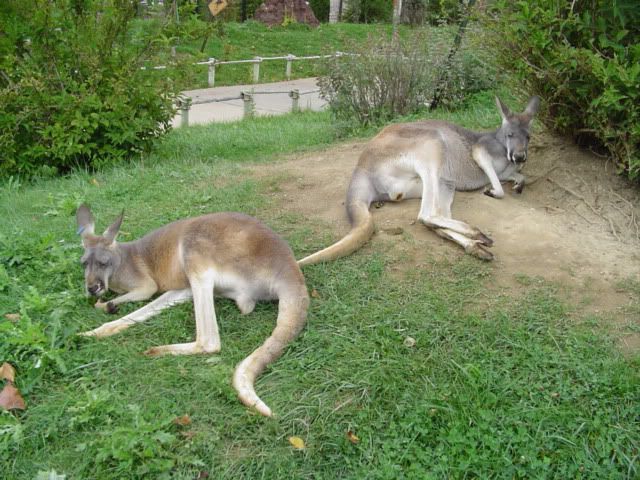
(276, 12)
(576, 224)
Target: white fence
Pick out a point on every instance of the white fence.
(255, 61)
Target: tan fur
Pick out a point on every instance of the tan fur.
(226, 254)
(431, 160)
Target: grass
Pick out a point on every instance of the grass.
(494, 387)
(243, 41)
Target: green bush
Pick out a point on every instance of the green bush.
(583, 58)
(368, 11)
(71, 87)
(384, 78)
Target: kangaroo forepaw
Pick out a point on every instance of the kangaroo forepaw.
(518, 187)
(478, 250)
(490, 192)
(111, 308)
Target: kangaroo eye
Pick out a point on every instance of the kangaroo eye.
(510, 134)
(103, 264)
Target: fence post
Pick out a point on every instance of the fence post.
(184, 104)
(288, 70)
(256, 69)
(212, 72)
(249, 106)
(295, 97)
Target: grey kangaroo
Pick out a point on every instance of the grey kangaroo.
(431, 160)
(227, 254)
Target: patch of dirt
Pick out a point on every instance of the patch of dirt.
(576, 225)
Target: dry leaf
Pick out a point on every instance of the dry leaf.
(297, 443)
(7, 372)
(315, 294)
(95, 182)
(183, 420)
(188, 435)
(10, 398)
(12, 317)
(409, 342)
(353, 438)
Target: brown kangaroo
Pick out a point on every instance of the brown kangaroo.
(431, 160)
(227, 254)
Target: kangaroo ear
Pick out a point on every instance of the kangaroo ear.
(504, 110)
(532, 107)
(111, 232)
(86, 224)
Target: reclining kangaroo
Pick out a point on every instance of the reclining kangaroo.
(229, 254)
(431, 160)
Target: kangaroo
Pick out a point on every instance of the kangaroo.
(227, 254)
(431, 160)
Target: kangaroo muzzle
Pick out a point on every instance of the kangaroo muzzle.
(96, 288)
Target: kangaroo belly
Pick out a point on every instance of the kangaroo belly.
(398, 180)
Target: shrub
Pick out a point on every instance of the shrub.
(385, 78)
(583, 58)
(71, 87)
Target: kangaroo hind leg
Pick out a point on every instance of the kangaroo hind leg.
(207, 335)
(438, 217)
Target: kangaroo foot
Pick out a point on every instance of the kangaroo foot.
(478, 250)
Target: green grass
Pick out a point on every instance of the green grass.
(495, 386)
(243, 41)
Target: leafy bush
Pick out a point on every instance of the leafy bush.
(583, 58)
(71, 86)
(368, 11)
(384, 78)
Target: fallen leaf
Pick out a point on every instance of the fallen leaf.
(10, 398)
(353, 438)
(12, 317)
(189, 434)
(409, 342)
(297, 443)
(315, 294)
(95, 182)
(203, 474)
(183, 420)
(7, 372)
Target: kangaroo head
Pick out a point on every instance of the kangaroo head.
(101, 256)
(514, 131)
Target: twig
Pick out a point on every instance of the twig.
(613, 229)
(577, 195)
(527, 183)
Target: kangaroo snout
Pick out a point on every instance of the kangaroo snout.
(96, 288)
(520, 157)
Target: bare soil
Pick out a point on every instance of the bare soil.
(576, 224)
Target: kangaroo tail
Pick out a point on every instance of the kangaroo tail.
(292, 314)
(359, 197)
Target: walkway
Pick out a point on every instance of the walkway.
(266, 104)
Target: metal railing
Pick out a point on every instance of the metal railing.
(212, 63)
(184, 104)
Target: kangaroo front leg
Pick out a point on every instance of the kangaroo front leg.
(133, 296)
(207, 335)
(166, 300)
(485, 162)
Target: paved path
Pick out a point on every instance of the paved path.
(266, 104)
